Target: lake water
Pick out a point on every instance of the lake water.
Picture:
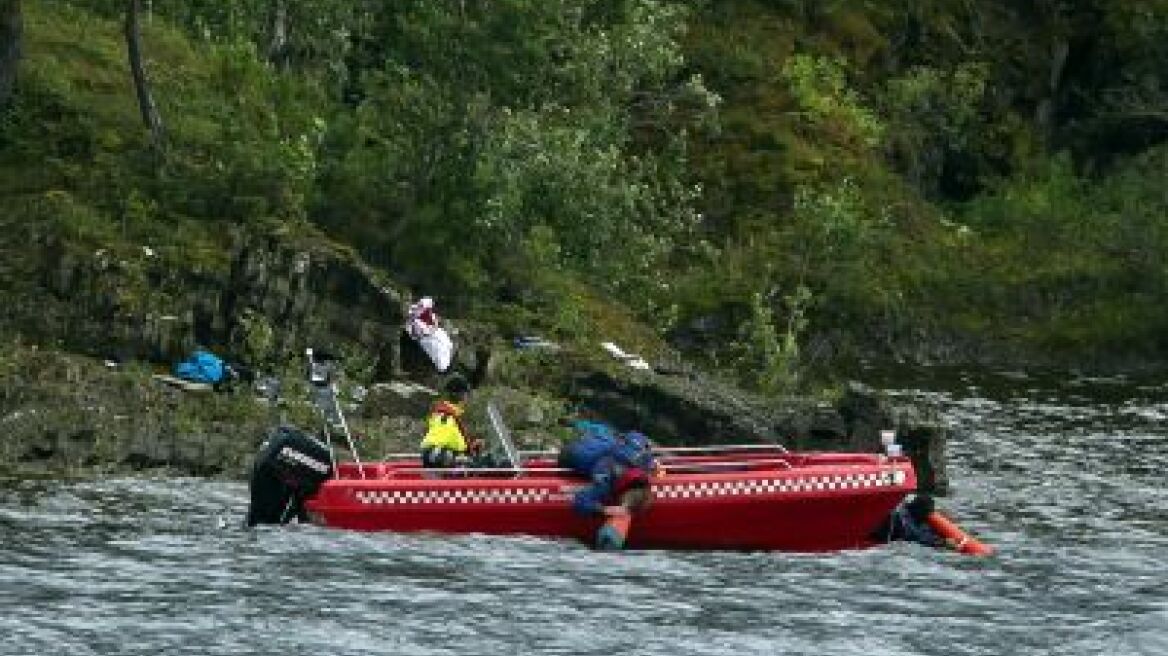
(1066, 478)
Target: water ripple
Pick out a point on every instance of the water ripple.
(1070, 489)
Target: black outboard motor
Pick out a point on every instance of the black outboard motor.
(290, 467)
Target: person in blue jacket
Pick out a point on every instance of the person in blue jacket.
(909, 522)
(615, 463)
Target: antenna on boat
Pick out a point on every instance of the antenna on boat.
(504, 437)
(324, 396)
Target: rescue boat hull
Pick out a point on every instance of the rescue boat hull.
(802, 502)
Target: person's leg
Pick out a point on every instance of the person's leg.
(637, 499)
(592, 499)
(484, 460)
(437, 457)
(629, 495)
(428, 457)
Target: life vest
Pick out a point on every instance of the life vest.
(444, 428)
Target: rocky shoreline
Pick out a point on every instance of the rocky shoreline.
(65, 415)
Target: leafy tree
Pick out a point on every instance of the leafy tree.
(488, 120)
(934, 117)
(770, 348)
(1117, 89)
(820, 88)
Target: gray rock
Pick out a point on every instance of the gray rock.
(398, 399)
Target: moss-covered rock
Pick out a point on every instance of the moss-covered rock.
(64, 414)
(269, 297)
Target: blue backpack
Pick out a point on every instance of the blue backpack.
(595, 441)
(201, 367)
(633, 449)
(598, 441)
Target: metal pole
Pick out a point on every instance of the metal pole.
(345, 427)
(328, 439)
(312, 391)
(504, 436)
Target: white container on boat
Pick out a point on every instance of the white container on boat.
(888, 440)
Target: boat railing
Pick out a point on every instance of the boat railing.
(669, 450)
(712, 465)
(413, 470)
(676, 451)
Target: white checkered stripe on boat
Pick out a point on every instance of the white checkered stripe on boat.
(750, 487)
(468, 496)
(663, 490)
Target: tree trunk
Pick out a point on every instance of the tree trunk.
(1044, 114)
(10, 33)
(150, 115)
(278, 48)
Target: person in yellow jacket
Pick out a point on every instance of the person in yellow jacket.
(447, 442)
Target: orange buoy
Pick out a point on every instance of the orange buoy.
(961, 541)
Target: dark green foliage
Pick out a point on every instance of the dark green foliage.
(483, 124)
(11, 34)
(770, 183)
(956, 98)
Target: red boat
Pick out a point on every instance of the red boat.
(752, 497)
(742, 498)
